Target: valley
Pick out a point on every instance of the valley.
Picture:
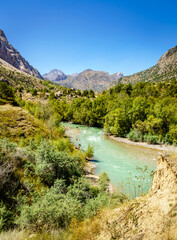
(44, 189)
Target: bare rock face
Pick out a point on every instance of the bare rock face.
(168, 60)
(9, 54)
(55, 75)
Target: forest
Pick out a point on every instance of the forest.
(143, 112)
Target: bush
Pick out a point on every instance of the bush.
(51, 164)
(6, 93)
(51, 211)
(5, 217)
(173, 133)
(59, 205)
(152, 139)
(135, 135)
(34, 92)
(104, 181)
(90, 151)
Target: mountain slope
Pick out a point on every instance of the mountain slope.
(164, 70)
(9, 54)
(55, 75)
(88, 79)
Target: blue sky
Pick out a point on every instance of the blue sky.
(73, 35)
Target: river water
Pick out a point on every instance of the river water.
(118, 160)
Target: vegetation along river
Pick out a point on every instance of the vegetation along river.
(118, 160)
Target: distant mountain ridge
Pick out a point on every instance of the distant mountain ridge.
(164, 70)
(88, 79)
(9, 54)
(55, 75)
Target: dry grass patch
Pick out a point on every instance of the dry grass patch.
(15, 123)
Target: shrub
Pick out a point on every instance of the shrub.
(104, 181)
(90, 151)
(6, 93)
(173, 133)
(5, 217)
(152, 139)
(51, 211)
(34, 92)
(135, 135)
(51, 164)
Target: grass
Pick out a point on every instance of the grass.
(26, 235)
(16, 123)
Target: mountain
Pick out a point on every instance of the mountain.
(88, 79)
(164, 70)
(9, 54)
(55, 75)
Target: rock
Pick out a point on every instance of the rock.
(32, 236)
(55, 75)
(9, 54)
(88, 79)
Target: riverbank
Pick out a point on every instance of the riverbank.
(161, 147)
(118, 159)
(73, 133)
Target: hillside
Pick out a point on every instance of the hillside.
(20, 79)
(9, 54)
(21, 125)
(88, 79)
(164, 70)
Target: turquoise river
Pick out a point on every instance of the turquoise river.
(118, 160)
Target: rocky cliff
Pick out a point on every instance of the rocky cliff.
(9, 54)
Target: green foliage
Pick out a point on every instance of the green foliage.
(153, 139)
(91, 94)
(5, 217)
(135, 135)
(52, 165)
(85, 93)
(143, 112)
(34, 92)
(90, 151)
(117, 122)
(173, 133)
(104, 181)
(44, 188)
(6, 93)
(54, 120)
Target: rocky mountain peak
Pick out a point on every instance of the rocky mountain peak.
(119, 74)
(168, 61)
(2, 34)
(9, 54)
(55, 75)
(169, 56)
